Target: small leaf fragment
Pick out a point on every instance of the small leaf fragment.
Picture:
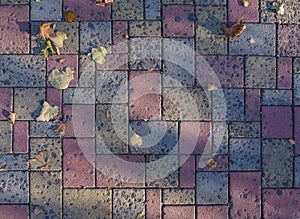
(62, 60)
(235, 30)
(48, 112)
(251, 40)
(245, 3)
(46, 30)
(140, 215)
(9, 115)
(136, 140)
(278, 7)
(292, 141)
(102, 3)
(212, 87)
(61, 128)
(38, 209)
(70, 16)
(61, 79)
(40, 160)
(211, 164)
(98, 54)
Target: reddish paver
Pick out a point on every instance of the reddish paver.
(297, 129)
(120, 32)
(77, 166)
(178, 21)
(277, 122)
(145, 95)
(281, 203)
(252, 105)
(212, 212)
(14, 211)
(178, 212)
(20, 143)
(237, 11)
(187, 171)
(114, 62)
(284, 72)
(14, 22)
(245, 195)
(6, 100)
(153, 203)
(54, 98)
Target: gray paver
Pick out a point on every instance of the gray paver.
(87, 70)
(210, 2)
(219, 138)
(277, 97)
(178, 196)
(244, 129)
(177, 1)
(297, 171)
(152, 9)
(296, 88)
(79, 95)
(128, 10)
(46, 10)
(13, 2)
(296, 66)
(5, 136)
(145, 28)
(13, 162)
(42, 129)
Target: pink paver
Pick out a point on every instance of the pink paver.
(77, 163)
(153, 200)
(54, 98)
(245, 195)
(178, 212)
(252, 106)
(87, 10)
(281, 203)
(14, 22)
(69, 61)
(187, 171)
(194, 137)
(120, 31)
(212, 212)
(222, 162)
(114, 62)
(284, 72)
(6, 100)
(145, 95)
(178, 21)
(20, 143)
(277, 122)
(297, 129)
(14, 211)
(237, 11)
(84, 123)
(121, 171)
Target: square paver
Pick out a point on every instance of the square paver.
(46, 10)
(152, 9)
(296, 65)
(6, 101)
(277, 97)
(237, 11)
(277, 163)
(14, 21)
(14, 211)
(128, 10)
(288, 40)
(5, 137)
(178, 212)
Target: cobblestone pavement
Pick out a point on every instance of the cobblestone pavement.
(179, 122)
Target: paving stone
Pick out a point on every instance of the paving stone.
(145, 53)
(167, 2)
(87, 70)
(288, 40)
(209, 36)
(6, 101)
(228, 69)
(245, 195)
(252, 104)
(228, 104)
(236, 10)
(244, 129)
(212, 211)
(296, 65)
(52, 146)
(87, 203)
(114, 61)
(297, 172)
(78, 168)
(87, 10)
(45, 193)
(178, 212)
(112, 86)
(21, 136)
(284, 72)
(120, 33)
(125, 10)
(13, 2)
(162, 171)
(145, 28)
(178, 196)
(296, 89)
(145, 95)
(54, 98)
(111, 129)
(279, 117)
(158, 137)
(14, 187)
(178, 62)
(13, 162)
(45, 10)
(275, 199)
(276, 97)
(28, 102)
(212, 187)
(42, 129)
(31, 71)
(178, 20)
(264, 36)
(244, 154)
(202, 163)
(255, 66)
(219, 138)
(128, 203)
(120, 171)
(5, 137)
(152, 9)
(153, 203)
(89, 32)
(194, 138)
(14, 211)
(79, 95)
(297, 129)
(175, 104)
(14, 21)
(187, 171)
(277, 163)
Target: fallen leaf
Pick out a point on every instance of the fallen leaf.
(40, 160)
(136, 140)
(62, 60)
(61, 128)
(127, 37)
(150, 70)
(47, 30)
(235, 30)
(140, 215)
(251, 40)
(61, 79)
(48, 50)
(278, 7)
(48, 112)
(292, 141)
(211, 164)
(11, 116)
(98, 54)
(58, 40)
(245, 3)
(212, 87)
(102, 3)
(70, 16)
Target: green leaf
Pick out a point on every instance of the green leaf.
(61, 80)
(47, 48)
(48, 112)
(98, 54)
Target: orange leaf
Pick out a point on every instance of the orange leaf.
(47, 30)
(70, 15)
(235, 30)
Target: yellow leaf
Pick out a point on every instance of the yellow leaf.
(235, 30)
(212, 87)
(292, 141)
(140, 215)
(61, 79)
(245, 3)
(136, 140)
(70, 16)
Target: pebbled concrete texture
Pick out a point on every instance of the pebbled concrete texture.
(178, 123)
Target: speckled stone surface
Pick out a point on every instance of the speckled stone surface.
(144, 28)
(13, 2)
(79, 96)
(14, 211)
(42, 129)
(178, 196)
(125, 10)
(6, 100)
(5, 137)
(288, 41)
(152, 9)
(297, 172)
(87, 70)
(177, 212)
(244, 130)
(14, 162)
(46, 10)
(237, 11)
(276, 97)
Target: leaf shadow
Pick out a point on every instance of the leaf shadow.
(24, 26)
(36, 113)
(212, 24)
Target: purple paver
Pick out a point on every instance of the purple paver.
(178, 212)
(288, 40)
(211, 211)
(153, 200)
(21, 143)
(284, 72)
(54, 97)
(187, 171)
(14, 211)
(237, 11)
(120, 31)
(297, 129)
(252, 106)
(6, 100)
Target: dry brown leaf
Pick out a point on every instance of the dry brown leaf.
(61, 128)
(47, 30)
(40, 160)
(140, 215)
(62, 60)
(12, 117)
(235, 30)
(211, 163)
(245, 3)
(70, 16)
(102, 3)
